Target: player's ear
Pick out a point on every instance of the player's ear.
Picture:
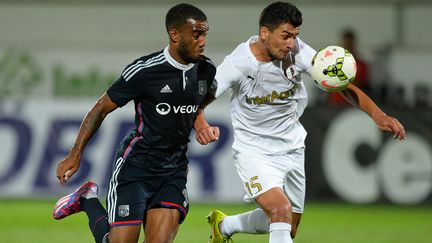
(174, 35)
(263, 32)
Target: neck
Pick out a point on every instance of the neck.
(259, 51)
(174, 54)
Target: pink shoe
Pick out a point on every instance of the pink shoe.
(70, 204)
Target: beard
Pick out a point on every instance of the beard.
(184, 53)
(273, 57)
(277, 56)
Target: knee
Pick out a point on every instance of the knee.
(281, 213)
(160, 237)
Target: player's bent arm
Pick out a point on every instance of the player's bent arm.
(384, 122)
(358, 98)
(205, 133)
(90, 124)
(226, 76)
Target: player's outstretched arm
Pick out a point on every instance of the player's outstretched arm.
(204, 133)
(384, 122)
(90, 124)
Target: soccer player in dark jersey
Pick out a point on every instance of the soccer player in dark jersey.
(148, 181)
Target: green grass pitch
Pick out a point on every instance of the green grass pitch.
(30, 221)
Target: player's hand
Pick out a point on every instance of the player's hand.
(390, 124)
(207, 135)
(204, 133)
(67, 168)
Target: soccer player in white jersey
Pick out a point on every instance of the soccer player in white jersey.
(268, 97)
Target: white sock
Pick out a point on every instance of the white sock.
(280, 232)
(252, 222)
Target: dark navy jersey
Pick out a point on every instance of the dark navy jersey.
(166, 95)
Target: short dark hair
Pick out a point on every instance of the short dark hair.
(180, 13)
(279, 13)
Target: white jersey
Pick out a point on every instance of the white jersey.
(267, 98)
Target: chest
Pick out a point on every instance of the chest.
(269, 79)
(175, 86)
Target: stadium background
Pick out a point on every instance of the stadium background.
(57, 57)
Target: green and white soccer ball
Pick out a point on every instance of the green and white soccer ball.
(333, 68)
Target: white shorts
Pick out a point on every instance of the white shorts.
(262, 172)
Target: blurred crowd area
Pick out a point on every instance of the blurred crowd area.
(56, 49)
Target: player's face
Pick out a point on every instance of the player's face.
(192, 40)
(280, 41)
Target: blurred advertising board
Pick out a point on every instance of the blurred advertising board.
(347, 157)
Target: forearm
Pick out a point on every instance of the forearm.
(208, 99)
(358, 98)
(200, 121)
(88, 128)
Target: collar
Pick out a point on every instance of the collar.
(174, 63)
(251, 40)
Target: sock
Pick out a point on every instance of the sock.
(98, 219)
(280, 232)
(252, 222)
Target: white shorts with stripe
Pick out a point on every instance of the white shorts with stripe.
(262, 172)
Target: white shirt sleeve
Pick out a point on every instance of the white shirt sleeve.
(307, 53)
(226, 76)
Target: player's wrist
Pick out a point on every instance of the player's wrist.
(75, 152)
(377, 114)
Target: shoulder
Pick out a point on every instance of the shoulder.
(206, 61)
(150, 58)
(303, 54)
(242, 51)
(143, 63)
(207, 65)
(303, 48)
(239, 60)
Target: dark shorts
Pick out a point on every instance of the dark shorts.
(133, 191)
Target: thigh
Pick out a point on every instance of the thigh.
(172, 195)
(124, 234)
(295, 181)
(167, 210)
(127, 199)
(161, 225)
(258, 172)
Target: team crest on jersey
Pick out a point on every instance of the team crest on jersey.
(202, 87)
(290, 72)
(123, 210)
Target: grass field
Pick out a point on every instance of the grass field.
(30, 221)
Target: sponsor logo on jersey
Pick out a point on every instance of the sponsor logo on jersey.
(165, 108)
(270, 98)
(166, 89)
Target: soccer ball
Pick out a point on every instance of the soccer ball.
(333, 68)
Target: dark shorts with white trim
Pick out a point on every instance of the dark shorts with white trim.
(133, 191)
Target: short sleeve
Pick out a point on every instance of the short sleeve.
(226, 76)
(211, 71)
(306, 55)
(127, 89)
